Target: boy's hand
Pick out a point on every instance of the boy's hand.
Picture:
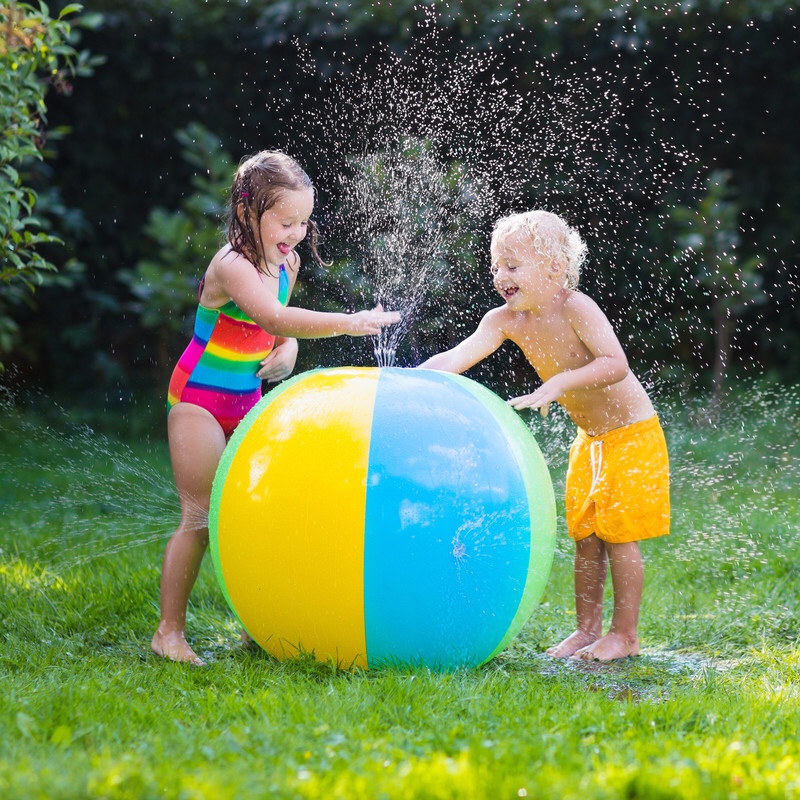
(524, 401)
(546, 394)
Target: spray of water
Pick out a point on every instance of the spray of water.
(72, 495)
(404, 203)
(423, 152)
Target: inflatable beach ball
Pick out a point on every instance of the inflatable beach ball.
(383, 516)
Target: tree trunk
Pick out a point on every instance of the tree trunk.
(723, 344)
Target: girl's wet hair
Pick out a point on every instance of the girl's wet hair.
(550, 236)
(257, 185)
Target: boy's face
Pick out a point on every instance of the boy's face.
(521, 276)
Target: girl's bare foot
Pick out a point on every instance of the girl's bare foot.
(248, 642)
(175, 647)
(574, 642)
(608, 648)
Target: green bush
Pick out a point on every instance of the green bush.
(36, 54)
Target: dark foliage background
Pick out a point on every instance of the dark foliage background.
(241, 70)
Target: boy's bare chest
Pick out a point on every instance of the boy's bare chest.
(550, 344)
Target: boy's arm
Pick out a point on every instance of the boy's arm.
(487, 337)
(608, 365)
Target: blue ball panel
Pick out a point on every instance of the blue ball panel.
(541, 502)
(447, 528)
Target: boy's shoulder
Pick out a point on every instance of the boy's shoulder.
(499, 317)
(580, 304)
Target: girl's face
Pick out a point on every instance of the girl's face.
(285, 225)
(521, 276)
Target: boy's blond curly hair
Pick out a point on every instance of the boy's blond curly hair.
(550, 236)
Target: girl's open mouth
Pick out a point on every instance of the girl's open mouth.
(284, 248)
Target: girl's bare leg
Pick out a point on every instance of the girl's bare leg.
(590, 579)
(196, 442)
(627, 577)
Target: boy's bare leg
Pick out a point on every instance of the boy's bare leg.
(590, 579)
(196, 443)
(627, 577)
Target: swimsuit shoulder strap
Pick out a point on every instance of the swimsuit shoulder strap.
(283, 285)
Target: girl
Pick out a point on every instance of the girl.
(244, 333)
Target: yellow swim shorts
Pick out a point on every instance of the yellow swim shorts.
(618, 484)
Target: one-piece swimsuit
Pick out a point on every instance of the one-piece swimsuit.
(218, 370)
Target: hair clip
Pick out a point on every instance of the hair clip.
(245, 194)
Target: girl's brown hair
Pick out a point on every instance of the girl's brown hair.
(257, 185)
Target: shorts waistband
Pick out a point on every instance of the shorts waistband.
(623, 431)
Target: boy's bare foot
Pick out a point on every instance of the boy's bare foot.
(175, 647)
(248, 642)
(574, 642)
(608, 648)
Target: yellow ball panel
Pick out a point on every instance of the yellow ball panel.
(313, 441)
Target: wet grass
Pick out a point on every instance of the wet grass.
(708, 710)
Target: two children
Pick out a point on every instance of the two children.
(617, 490)
(245, 333)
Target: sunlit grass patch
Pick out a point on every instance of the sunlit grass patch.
(708, 710)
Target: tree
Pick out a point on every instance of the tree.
(36, 54)
(714, 82)
(709, 239)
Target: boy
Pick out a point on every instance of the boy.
(617, 490)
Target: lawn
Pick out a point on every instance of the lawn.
(709, 710)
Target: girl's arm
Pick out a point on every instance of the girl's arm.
(488, 336)
(243, 284)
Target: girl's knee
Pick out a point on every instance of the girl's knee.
(197, 535)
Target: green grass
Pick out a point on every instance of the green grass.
(709, 710)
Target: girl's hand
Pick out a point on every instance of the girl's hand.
(370, 323)
(280, 362)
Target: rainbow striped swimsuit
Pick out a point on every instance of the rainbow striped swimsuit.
(217, 371)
